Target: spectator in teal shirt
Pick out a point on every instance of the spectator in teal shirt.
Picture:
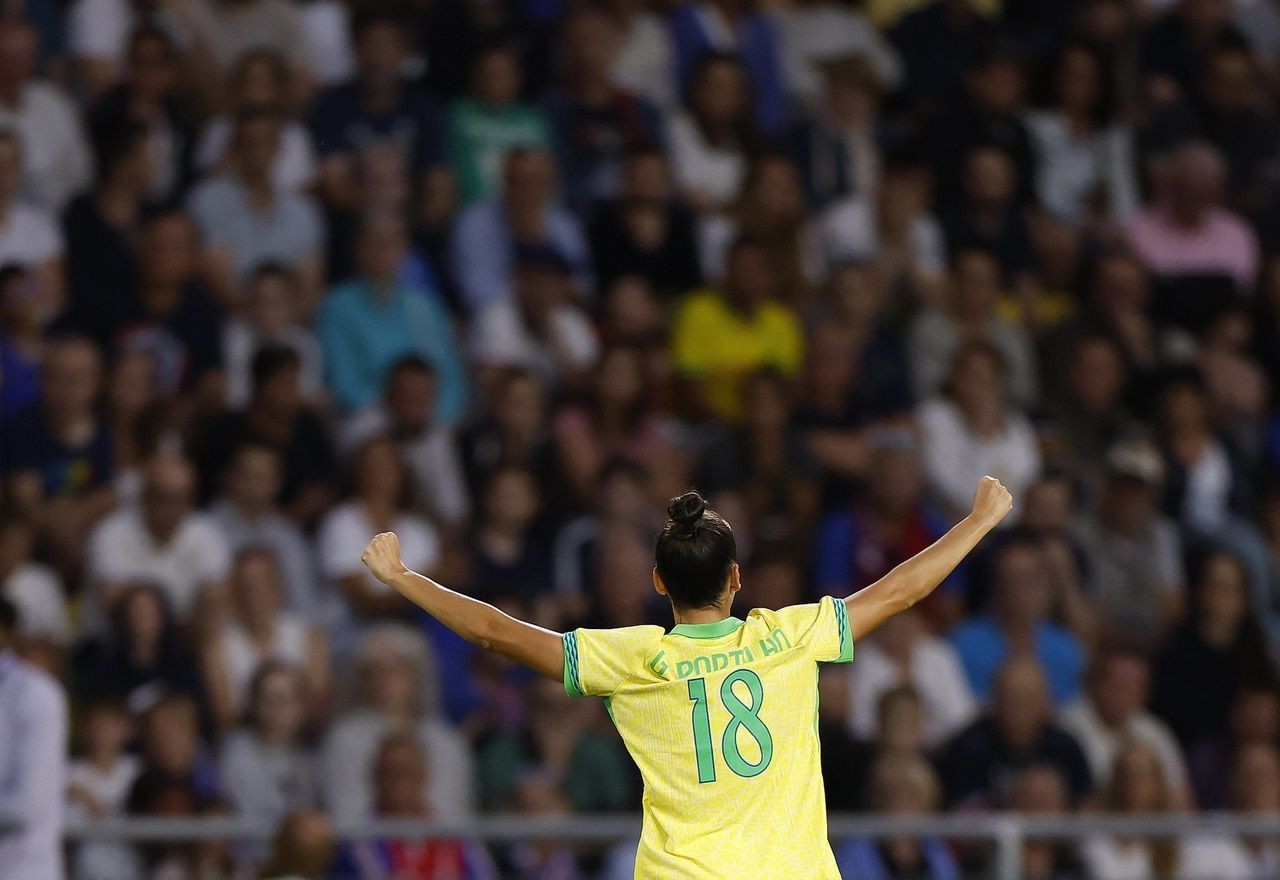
(491, 122)
(368, 323)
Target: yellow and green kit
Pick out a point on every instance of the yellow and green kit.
(722, 720)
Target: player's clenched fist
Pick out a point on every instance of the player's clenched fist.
(382, 557)
(991, 501)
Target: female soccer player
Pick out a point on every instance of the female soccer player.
(720, 714)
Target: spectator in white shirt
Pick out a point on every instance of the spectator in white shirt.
(429, 448)
(270, 317)
(541, 331)
(163, 541)
(259, 630)
(1112, 711)
(58, 161)
(29, 236)
(33, 763)
(379, 502)
(973, 430)
(904, 652)
(98, 785)
(711, 137)
(261, 80)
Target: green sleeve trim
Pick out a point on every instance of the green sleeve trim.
(572, 679)
(846, 633)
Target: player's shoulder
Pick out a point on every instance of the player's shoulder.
(622, 637)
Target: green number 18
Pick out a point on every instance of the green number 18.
(743, 716)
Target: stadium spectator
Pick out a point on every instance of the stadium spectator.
(249, 517)
(165, 539)
(597, 124)
(482, 128)
(1112, 712)
(33, 736)
(149, 96)
(31, 587)
(557, 739)
(141, 655)
(367, 323)
(1186, 232)
(1018, 621)
(1254, 721)
(246, 221)
(1134, 554)
(98, 783)
(722, 334)
(393, 688)
(509, 557)
(57, 452)
(29, 236)
(379, 501)
(1138, 785)
(406, 412)
(1212, 656)
(258, 630)
(979, 765)
(303, 848)
(713, 136)
(901, 785)
(539, 329)
(265, 767)
(645, 232)
(272, 314)
(525, 216)
(400, 773)
(845, 759)
(973, 429)
(57, 161)
(1041, 790)
(261, 82)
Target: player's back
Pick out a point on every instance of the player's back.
(721, 719)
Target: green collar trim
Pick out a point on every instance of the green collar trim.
(706, 630)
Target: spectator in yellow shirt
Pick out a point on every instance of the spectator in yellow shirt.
(722, 335)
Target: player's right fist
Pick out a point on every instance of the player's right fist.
(991, 502)
(382, 557)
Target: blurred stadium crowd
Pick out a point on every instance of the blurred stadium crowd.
(503, 275)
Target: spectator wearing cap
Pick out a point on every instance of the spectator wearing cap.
(33, 763)
(369, 322)
(722, 335)
(815, 32)
(486, 235)
(540, 330)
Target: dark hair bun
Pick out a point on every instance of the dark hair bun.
(686, 511)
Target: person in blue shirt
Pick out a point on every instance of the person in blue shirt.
(1017, 620)
(736, 27)
(368, 323)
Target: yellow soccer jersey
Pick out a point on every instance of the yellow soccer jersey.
(722, 720)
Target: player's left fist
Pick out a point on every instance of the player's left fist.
(382, 557)
(991, 502)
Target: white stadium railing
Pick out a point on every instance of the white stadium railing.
(1006, 831)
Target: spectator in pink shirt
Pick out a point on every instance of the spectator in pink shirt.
(1186, 231)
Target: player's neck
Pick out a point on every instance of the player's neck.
(700, 615)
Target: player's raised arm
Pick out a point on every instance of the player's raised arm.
(916, 578)
(477, 622)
